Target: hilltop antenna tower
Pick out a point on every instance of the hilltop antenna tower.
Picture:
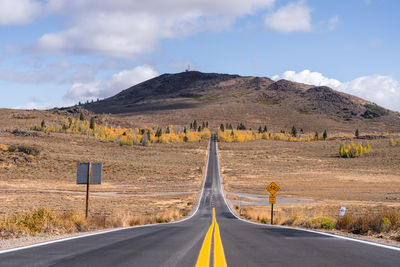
(188, 68)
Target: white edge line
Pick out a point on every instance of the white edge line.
(296, 228)
(197, 205)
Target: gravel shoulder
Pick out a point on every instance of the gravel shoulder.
(32, 240)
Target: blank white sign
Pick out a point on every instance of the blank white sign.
(342, 212)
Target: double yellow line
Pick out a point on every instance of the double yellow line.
(219, 256)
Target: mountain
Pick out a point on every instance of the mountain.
(220, 98)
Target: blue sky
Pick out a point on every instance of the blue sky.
(59, 52)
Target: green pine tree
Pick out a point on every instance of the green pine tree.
(158, 133)
(294, 131)
(92, 123)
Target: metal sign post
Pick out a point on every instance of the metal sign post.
(272, 189)
(272, 213)
(89, 173)
(87, 189)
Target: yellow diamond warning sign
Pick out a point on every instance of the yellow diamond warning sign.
(272, 188)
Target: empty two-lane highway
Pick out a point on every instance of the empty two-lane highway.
(213, 235)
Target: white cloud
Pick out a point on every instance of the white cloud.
(128, 28)
(83, 91)
(127, 78)
(308, 77)
(45, 105)
(37, 72)
(333, 22)
(380, 89)
(290, 18)
(109, 87)
(383, 90)
(14, 12)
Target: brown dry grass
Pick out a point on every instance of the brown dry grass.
(312, 170)
(140, 184)
(45, 222)
(364, 185)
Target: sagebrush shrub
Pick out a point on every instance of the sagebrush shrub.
(324, 223)
(354, 150)
(24, 149)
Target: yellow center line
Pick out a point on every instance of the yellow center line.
(204, 256)
(219, 255)
(205, 251)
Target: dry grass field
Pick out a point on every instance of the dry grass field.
(145, 184)
(161, 182)
(312, 171)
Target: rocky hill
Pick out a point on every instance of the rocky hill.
(219, 98)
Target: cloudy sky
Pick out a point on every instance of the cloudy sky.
(59, 52)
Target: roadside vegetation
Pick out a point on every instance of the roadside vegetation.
(126, 136)
(383, 222)
(45, 222)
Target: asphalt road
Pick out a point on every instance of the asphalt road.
(179, 244)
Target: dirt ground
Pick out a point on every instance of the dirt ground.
(137, 180)
(313, 171)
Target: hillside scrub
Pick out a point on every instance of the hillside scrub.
(354, 150)
(3, 147)
(24, 149)
(124, 136)
(17, 155)
(28, 150)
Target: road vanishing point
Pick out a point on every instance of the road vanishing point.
(212, 236)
